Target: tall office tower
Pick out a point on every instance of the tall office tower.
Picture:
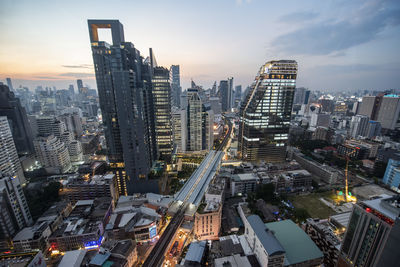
(162, 112)
(301, 96)
(179, 128)
(238, 92)
(14, 210)
(79, 83)
(224, 95)
(266, 111)
(124, 88)
(9, 161)
(176, 85)
(358, 126)
(194, 121)
(231, 98)
(10, 107)
(71, 90)
(9, 84)
(214, 89)
(373, 234)
(184, 100)
(52, 154)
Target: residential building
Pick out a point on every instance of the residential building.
(243, 183)
(10, 107)
(14, 210)
(9, 161)
(326, 173)
(373, 233)
(389, 112)
(265, 113)
(320, 119)
(358, 126)
(301, 96)
(370, 106)
(373, 129)
(126, 101)
(52, 154)
(162, 112)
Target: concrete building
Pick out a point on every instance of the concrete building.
(243, 183)
(320, 119)
(52, 154)
(207, 219)
(10, 107)
(373, 129)
(326, 173)
(382, 108)
(14, 210)
(358, 126)
(9, 161)
(370, 106)
(266, 112)
(97, 186)
(373, 233)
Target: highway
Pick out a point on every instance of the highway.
(189, 194)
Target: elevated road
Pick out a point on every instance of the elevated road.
(190, 194)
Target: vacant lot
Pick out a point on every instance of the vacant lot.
(314, 206)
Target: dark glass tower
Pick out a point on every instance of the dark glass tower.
(265, 113)
(176, 85)
(10, 106)
(124, 86)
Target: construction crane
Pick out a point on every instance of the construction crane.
(346, 175)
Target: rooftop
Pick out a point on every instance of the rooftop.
(195, 252)
(298, 245)
(267, 239)
(244, 177)
(385, 204)
(72, 258)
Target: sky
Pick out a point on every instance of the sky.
(339, 45)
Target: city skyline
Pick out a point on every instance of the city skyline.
(339, 46)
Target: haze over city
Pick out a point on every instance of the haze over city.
(339, 45)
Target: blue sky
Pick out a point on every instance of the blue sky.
(339, 45)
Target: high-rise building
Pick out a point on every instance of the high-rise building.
(124, 87)
(176, 85)
(358, 126)
(162, 112)
(238, 95)
(179, 128)
(301, 96)
(320, 119)
(52, 154)
(231, 98)
(265, 113)
(373, 233)
(14, 210)
(9, 84)
(9, 161)
(200, 122)
(79, 83)
(370, 106)
(10, 107)
(392, 175)
(225, 95)
(382, 108)
(71, 90)
(373, 129)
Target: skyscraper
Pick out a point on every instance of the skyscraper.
(231, 98)
(176, 85)
(9, 84)
(373, 233)
(9, 161)
(358, 126)
(224, 95)
(10, 107)
(71, 90)
(266, 111)
(162, 112)
(79, 83)
(124, 87)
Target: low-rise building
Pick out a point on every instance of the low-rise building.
(83, 188)
(243, 183)
(324, 172)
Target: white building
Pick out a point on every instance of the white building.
(52, 154)
(320, 119)
(358, 126)
(179, 129)
(9, 161)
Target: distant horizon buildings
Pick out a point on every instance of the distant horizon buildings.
(265, 114)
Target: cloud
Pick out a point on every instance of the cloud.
(79, 66)
(357, 68)
(77, 74)
(328, 36)
(300, 16)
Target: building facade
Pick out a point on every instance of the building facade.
(124, 86)
(176, 85)
(265, 113)
(52, 154)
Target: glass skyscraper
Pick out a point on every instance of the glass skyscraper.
(125, 94)
(266, 111)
